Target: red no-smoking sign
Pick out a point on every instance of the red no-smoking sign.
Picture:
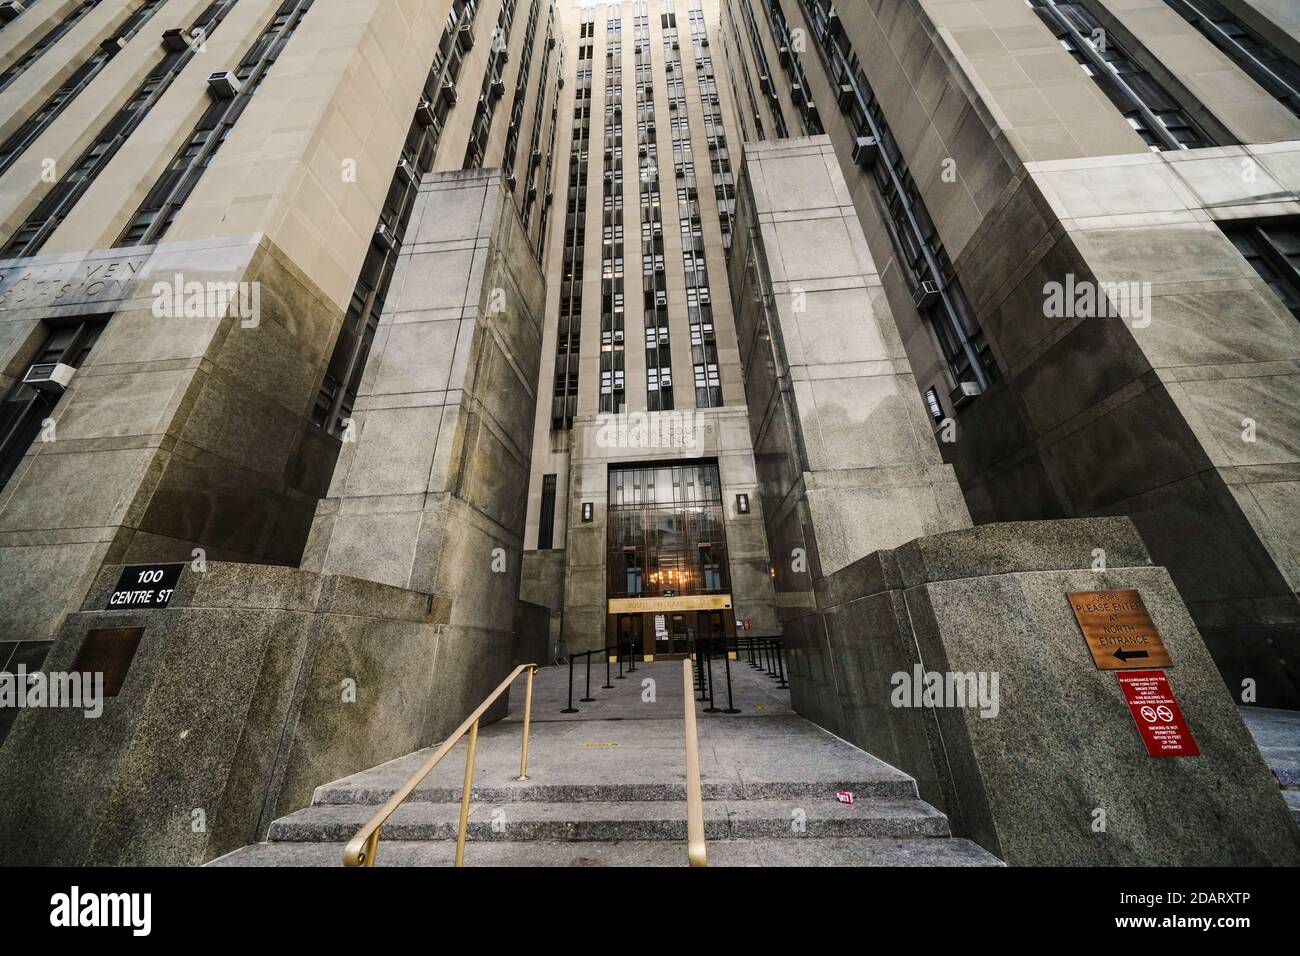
(1156, 714)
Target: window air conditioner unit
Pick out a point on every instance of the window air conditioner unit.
(846, 97)
(406, 170)
(465, 36)
(10, 10)
(783, 55)
(175, 40)
(112, 45)
(550, 43)
(926, 294)
(550, 196)
(865, 151)
(834, 26)
(503, 58)
(384, 237)
(424, 114)
(498, 89)
(535, 157)
(224, 85)
(511, 181)
(765, 83)
(449, 92)
(964, 392)
(532, 193)
(52, 377)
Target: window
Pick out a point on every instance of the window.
(1247, 49)
(25, 409)
(546, 521)
(1273, 251)
(665, 531)
(1149, 108)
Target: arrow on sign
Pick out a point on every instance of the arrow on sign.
(1129, 655)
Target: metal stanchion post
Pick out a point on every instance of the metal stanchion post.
(588, 699)
(608, 685)
(731, 708)
(570, 709)
(782, 684)
(708, 665)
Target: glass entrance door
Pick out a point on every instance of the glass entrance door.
(629, 632)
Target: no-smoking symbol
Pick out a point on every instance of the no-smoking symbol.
(1159, 714)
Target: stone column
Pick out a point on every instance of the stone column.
(847, 460)
(430, 488)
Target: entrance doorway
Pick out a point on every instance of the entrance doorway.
(668, 634)
(630, 631)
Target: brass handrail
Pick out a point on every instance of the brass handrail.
(363, 847)
(695, 849)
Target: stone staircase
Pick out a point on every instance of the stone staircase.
(1277, 734)
(607, 789)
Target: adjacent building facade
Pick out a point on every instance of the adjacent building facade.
(1083, 220)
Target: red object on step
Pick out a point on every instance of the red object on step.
(843, 796)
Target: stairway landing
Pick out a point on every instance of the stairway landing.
(607, 788)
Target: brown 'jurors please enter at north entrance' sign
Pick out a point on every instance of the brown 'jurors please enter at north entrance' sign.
(1118, 629)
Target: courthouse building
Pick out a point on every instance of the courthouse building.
(332, 307)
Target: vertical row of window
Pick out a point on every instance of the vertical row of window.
(1149, 108)
(182, 46)
(494, 87)
(1259, 59)
(766, 85)
(936, 290)
(654, 278)
(564, 403)
(789, 59)
(49, 111)
(612, 312)
(752, 115)
(41, 46)
(704, 346)
(534, 157)
(724, 184)
(337, 395)
(231, 95)
(520, 97)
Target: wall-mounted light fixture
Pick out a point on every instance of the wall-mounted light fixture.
(742, 504)
(932, 403)
(588, 512)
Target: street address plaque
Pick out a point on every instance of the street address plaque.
(144, 587)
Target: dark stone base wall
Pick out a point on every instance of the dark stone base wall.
(234, 707)
(1026, 784)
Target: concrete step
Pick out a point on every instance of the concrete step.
(885, 787)
(640, 820)
(815, 851)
